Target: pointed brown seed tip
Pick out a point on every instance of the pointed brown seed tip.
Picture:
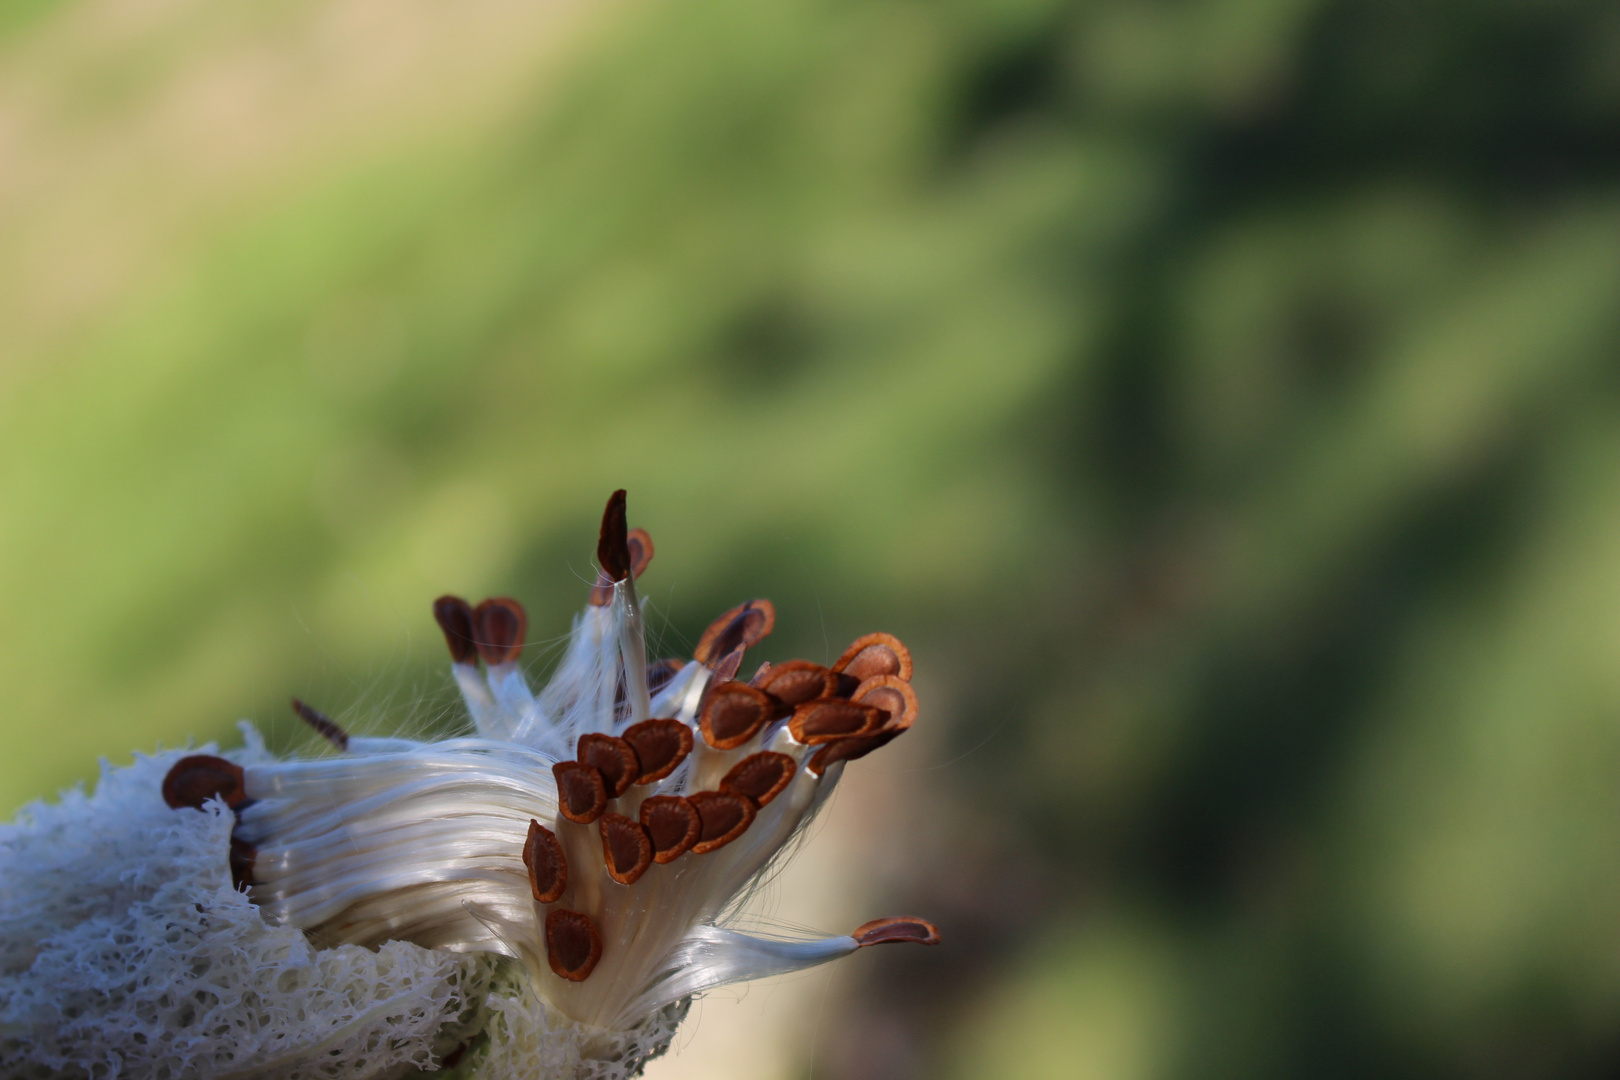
(833, 718)
(455, 617)
(893, 695)
(732, 714)
(614, 759)
(660, 672)
(875, 654)
(722, 818)
(499, 627)
(898, 928)
(572, 944)
(797, 681)
(672, 824)
(660, 746)
(322, 724)
(581, 792)
(760, 777)
(627, 850)
(639, 541)
(848, 750)
(548, 867)
(725, 668)
(613, 543)
(196, 779)
(743, 627)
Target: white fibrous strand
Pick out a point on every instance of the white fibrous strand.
(564, 878)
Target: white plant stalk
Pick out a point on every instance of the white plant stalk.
(561, 880)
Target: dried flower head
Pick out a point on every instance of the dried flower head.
(599, 833)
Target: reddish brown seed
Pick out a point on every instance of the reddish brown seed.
(760, 777)
(875, 654)
(834, 718)
(660, 747)
(672, 824)
(797, 681)
(241, 860)
(613, 758)
(725, 668)
(627, 850)
(322, 724)
(896, 928)
(740, 628)
(196, 779)
(572, 944)
(848, 750)
(548, 867)
(732, 713)
(499, 626)
(660, 672)
(893, 695)
(613, 543)
(722, 818)
(639, 541)
(581, 792)
(455, 617)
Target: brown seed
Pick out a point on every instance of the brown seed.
(602, 591)
(893, 695)
(740, 628)
(455, 617)
(797, 681)
(896, 928)
(660, 747)
(548, 867)
(196, 779)
(572, 944)
(612, 545)
(639, 541)
(732, 713)
(241, 860)
(725, 668)
(581, 792)
(760, 777)
(627, 850)
(833, 718)
(613, 758)
(875, 654)
(848, 750)
(499, 626)
(322, 724)
(672, 824)
(722, 818)
(660, 672)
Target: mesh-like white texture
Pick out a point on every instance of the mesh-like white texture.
(528, 1039)
(125, 952)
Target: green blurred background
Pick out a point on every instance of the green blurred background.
(1221, 397)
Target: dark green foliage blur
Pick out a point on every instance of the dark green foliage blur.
(1222, 399)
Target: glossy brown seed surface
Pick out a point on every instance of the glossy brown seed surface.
(660, 746)
(797, 681)
(627, 850)
(548, 867)
(612, 545)
(875, 654)
(725, 668)
(660, 672)
(722, 818)
(613, 758)
(573, 946)
(196, 779)
(759, 777)
(900, 928)
(499, 627)
(672, 824)
(455, 617)
(740, 628)
(833, 718)
(733, 713)
(893, 695)
(581, 792)
(847, 750)
(639, 541)
(323, 724)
